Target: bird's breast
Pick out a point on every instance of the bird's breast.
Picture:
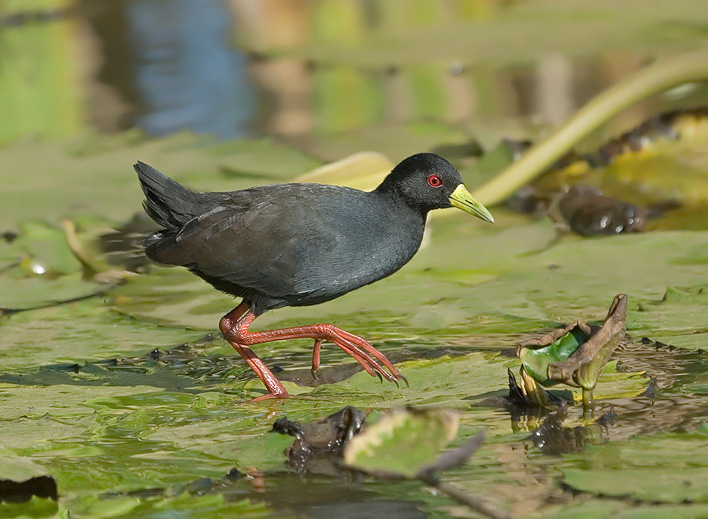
(356, 250)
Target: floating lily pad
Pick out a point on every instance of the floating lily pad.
(50, 336)
(202, 163)
(45, 246)
(24, 481)
(23, 293)
(259, 161)
(669, 468)
(595, 508)
(185, 505)
(35, 507)
(460, 381)
(678, 318)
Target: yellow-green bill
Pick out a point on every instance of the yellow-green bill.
(463, 199)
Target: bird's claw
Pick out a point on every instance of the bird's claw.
(315, 373)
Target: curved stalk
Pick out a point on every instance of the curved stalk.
(652, 80)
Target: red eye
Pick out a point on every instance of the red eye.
(434, 181)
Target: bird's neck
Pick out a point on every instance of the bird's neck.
(396, 198)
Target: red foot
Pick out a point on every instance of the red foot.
(234, 327)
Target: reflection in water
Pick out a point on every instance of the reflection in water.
(182, 72)
(313, 69)
(554, 439)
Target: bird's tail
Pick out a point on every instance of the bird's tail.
(167, 202)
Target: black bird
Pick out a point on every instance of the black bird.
(298, 245)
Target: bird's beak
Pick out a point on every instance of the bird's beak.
(463, 199)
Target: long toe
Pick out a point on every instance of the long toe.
(363, 344)
(369, 363)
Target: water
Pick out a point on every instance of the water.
(288, 69)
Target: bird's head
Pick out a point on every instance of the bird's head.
(428, 181)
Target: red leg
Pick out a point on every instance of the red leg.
(316, 358)
(226, 325)
(369, 357)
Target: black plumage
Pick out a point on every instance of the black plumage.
(299, 244)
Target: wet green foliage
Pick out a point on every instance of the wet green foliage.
(115, 383)
(132, 409)
(672, 474)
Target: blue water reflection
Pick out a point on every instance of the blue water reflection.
(187, 74)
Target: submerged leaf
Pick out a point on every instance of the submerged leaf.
(453, 458)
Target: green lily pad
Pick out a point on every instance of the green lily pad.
(17, 468)
(256, 161)
(200, 162)
(402, 442)
(22, 293)
(678, 318)
(457, 382)
(50, 335)
(184, 505)
(595, 508)
(35, 507)
(46, 247)
(669, 468)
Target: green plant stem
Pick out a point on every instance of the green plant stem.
(652, 80)
(588, 404)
